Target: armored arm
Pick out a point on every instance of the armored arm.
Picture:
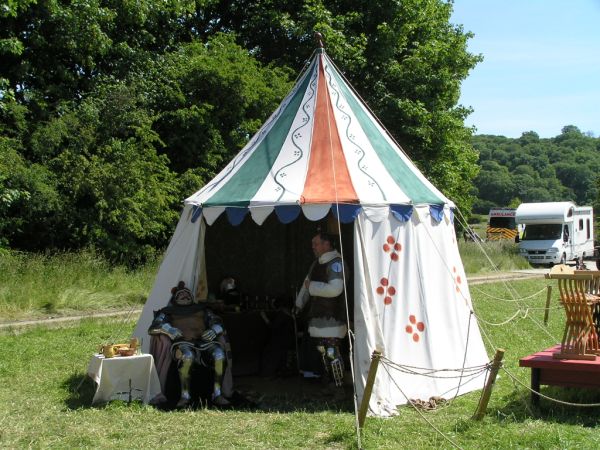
(161, 325)
(215, 327)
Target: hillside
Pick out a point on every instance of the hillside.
(534, 169)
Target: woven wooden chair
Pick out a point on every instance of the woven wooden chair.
(592, 287)
(579, 296)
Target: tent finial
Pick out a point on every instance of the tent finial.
(319, 39)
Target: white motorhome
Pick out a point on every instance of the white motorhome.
(555, 232)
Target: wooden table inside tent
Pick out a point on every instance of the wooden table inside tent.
(580, 296)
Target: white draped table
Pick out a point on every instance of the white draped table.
(124, 378)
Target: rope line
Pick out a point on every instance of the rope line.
(562, 402)
(465, 356)
(426, 371)
(510, 319)
(337, 206)
(507, 285)
(420, 413)
(508, 300)
(120, 326)
(428, 375)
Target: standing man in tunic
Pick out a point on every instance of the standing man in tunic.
(324, 287)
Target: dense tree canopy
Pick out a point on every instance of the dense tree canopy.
(404, 58)
(112, 111)
(531, 169)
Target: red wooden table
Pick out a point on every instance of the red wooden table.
(560, 372)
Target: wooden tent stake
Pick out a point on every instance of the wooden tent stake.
(548, 298)
(364, 404)
(487, 390)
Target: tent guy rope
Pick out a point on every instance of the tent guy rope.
(318, 36)
(411, 403)
(500, 299)
(509, 287)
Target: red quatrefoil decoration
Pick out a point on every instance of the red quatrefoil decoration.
(392, 247)
(385, 289)
(457, 279)
(419, 327)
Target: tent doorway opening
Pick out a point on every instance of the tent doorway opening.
(274, 359)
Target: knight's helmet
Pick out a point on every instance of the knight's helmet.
(181, 296)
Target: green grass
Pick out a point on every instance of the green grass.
(503, 256)
(40, 369)
(33, 285)
(37, 286)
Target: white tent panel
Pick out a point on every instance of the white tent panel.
(416, 313)
(180, 261)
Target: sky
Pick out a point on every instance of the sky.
(541, 67)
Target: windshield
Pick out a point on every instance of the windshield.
(502, 222)
(542, 232)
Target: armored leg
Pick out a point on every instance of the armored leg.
(333, 362)
(220, 363)
(185, 356)
(323, 351)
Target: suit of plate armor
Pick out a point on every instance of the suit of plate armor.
(198, 337)
(327, 311)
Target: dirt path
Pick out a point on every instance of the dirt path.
(505, 276)
(134, 313)
(62, 319)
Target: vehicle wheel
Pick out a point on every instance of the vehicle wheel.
(598, 264)
(563, 259)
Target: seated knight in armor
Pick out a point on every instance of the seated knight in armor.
(324, 287)
(197, 336)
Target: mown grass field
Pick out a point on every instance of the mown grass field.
(34, 286)
(40, 369)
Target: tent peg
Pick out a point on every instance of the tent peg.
(487, 390)
(364, 404)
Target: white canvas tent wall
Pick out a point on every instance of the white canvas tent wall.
(321, 151)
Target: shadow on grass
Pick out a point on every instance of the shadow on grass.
(81, 391)
(256, 394)
(294, 393)
(518, 407)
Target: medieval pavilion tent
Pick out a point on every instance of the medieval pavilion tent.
(323, 153)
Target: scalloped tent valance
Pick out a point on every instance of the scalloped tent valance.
(345, 213)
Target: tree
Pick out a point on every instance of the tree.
(557, 169)
(495, 183)
(28, 198)
(210, 98)
(116, 193)
(404, 58)
(106, 104)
